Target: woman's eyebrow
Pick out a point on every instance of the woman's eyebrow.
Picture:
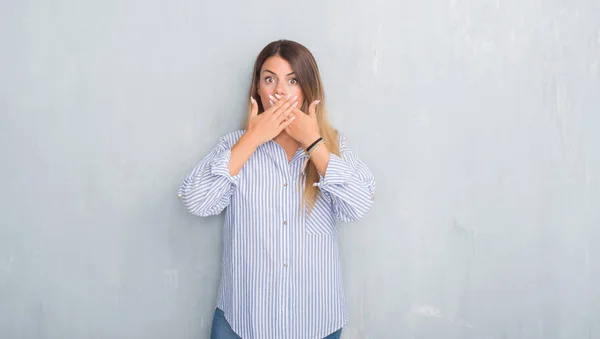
(266, 70)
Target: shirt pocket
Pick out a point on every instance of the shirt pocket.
(321, 219)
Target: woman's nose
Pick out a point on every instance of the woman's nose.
(280, 90)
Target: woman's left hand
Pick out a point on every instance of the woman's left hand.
(305, 128)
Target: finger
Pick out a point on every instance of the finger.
(282, 108)
(281, 97)
(312, 109)
(287, 98)
(287, 118)
(285, 114)
(275, 105)
(274, 99)
(286, 123)
(298, 111)
(253, 107)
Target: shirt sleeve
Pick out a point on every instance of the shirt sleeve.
(348, 184)
(208, 188)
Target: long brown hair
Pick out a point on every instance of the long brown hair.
(307, 72)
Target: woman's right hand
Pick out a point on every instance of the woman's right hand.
(266, 126)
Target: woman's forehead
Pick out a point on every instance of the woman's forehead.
(277, 65)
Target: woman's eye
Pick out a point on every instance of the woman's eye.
(293, 81)
(269, 80)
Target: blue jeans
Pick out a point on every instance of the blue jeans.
(221, 329)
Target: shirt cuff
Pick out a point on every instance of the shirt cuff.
(220, 167)
(337, 172)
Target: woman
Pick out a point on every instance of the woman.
(284, 181)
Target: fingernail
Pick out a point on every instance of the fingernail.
(277, 95)
(317, 102)
(296, 97)
(295, 104)
(271, 102)
(271, 97)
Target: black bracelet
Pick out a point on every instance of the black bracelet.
(313, 144)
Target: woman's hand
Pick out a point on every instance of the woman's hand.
(266, 126)
(305, 128)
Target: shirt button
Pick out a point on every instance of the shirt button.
(284, 265)
(285, 222)
(285, 184)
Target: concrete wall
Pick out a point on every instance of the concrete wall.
(479, 119)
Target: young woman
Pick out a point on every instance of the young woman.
(284, 182)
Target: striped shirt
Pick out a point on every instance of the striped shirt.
(280, 269)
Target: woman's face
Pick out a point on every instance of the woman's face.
(278, 77)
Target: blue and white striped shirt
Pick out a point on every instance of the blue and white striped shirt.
(281, 273)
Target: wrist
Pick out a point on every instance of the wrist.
(250, 139)
(309, 141)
